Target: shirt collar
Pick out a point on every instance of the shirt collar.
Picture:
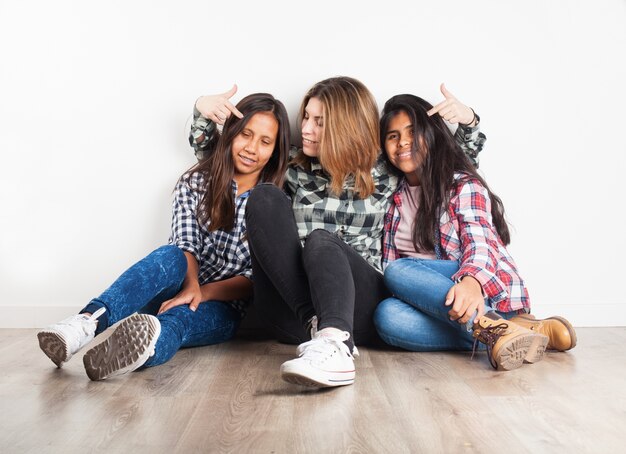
(234, 187)
(315, 164)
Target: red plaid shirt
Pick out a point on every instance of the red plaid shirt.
(467, 235)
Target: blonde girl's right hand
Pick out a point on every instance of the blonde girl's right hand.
(218, 108)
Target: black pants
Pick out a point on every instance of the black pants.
(326, 278)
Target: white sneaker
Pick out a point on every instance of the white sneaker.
(314, 323)
(61, 340)
(323, 361)
(129, 344)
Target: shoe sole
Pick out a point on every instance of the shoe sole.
(127, 348)
(54, 346)
(566, 323)
(537, 348)
(313, 378)
(526, 347)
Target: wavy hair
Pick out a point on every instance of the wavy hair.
(216, 209)
(349, 143)
(443, 158)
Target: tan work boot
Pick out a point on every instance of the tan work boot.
(508, 344)
(560, 332)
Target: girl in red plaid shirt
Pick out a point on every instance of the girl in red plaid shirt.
(444, 252)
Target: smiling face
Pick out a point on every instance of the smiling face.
(312, 127)
(252, 148)
(399, 144)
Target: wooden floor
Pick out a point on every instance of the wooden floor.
(229, 398)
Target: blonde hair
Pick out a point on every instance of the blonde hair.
(349, 144)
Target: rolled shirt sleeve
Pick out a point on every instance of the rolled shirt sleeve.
(186, 232)
(479, 241)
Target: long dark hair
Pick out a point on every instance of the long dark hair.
(216, 209)
(443, 157)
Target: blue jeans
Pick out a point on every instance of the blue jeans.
(416, 318)
(145, 286)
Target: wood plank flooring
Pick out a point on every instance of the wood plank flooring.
(229, 398)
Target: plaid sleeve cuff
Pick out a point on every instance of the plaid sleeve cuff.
(247, 273)
(491, 285)
(187, 247)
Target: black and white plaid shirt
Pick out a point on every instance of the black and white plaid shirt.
(358, 222)
(220, 254)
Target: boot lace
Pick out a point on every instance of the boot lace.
(489, 336)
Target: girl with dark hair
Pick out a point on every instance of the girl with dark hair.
(316, 253)
(193, 291)
(444, 251)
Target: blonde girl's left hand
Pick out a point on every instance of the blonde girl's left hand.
(190, 295)
(452, 110)
(466, 299)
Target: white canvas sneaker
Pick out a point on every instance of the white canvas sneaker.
(129, 344)
(60, 341)
(323, 361)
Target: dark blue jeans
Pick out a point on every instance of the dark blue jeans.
(416, 318)
(145, 286)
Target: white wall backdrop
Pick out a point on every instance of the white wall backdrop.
(95, 96)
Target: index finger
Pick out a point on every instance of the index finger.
(167, 305)
(437, 108)
(164, 306)
(233, 109)
(449, 296)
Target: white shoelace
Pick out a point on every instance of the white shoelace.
(339, 336)
(78, 321)
(322, 347)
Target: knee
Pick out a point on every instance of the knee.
(169, 252)
(386, 315)
(170, 258)
(393, 320)
(264, 198)
(320, 238)
(319, 242)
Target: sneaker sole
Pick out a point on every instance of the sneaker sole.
(127, 348)
(54, 346)
(314, 378)
(566, 323)
(529, 347)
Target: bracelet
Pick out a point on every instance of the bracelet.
(474, 119)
